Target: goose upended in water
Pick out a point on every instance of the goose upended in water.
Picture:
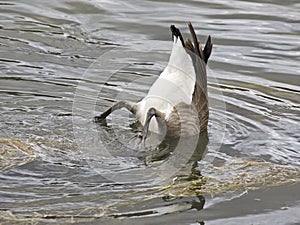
(177, 102)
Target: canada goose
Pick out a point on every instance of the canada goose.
(178, 98)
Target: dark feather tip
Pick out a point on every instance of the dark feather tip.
(176, 32)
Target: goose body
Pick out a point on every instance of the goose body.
(178, 98)
(174, 85)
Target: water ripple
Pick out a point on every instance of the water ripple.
(46, 47)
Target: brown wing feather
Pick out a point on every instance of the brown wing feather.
(197, 44)
(189, 45)
(200, 58)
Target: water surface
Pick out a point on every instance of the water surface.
(51, 77)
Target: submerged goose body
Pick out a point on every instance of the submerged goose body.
(176, 103)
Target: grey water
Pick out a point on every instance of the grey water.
(63, 62)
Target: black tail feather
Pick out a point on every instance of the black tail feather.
(176, 32)
(207, 49)
(196, 46)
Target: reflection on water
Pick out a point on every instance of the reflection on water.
(46, 49)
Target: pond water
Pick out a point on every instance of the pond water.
(63, 62)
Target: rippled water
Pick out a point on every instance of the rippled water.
(51, 77)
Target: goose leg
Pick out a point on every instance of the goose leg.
(121, 104)
(151, 112)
